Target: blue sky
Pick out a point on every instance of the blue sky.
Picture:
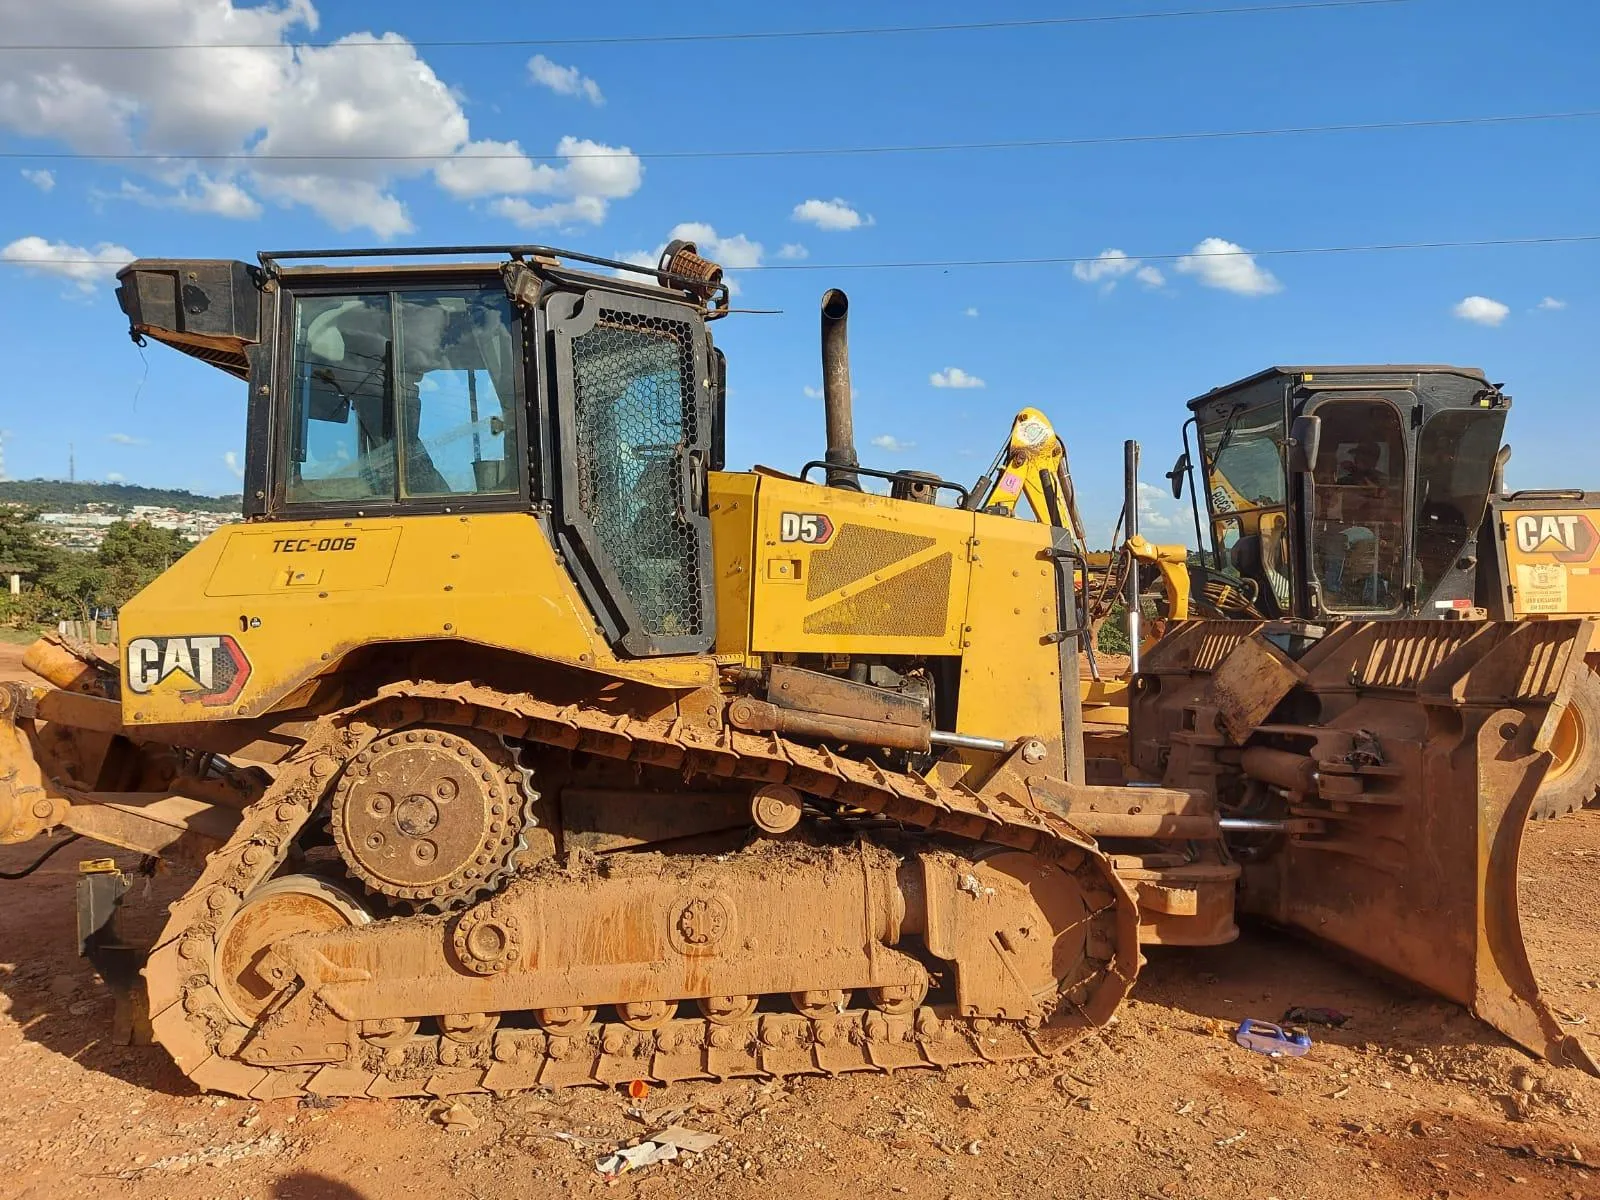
(1111, 350)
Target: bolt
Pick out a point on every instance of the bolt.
(41, 808)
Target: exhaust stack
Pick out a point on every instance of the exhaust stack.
(836, 401)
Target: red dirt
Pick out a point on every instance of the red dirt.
(1412, 1098)
(11, 667)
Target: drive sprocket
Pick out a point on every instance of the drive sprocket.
(432, 817)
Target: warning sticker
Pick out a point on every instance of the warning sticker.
(1542, 587)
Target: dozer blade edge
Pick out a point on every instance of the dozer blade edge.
(1393, 765)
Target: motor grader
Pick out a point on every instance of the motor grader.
(518, 743)
(1354, 493)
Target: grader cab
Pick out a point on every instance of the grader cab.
(1376, 493)
(517, 743)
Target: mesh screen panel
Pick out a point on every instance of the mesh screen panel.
(857, 552)
(635, 413)
(915, 603)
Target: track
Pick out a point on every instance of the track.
(191, 1021)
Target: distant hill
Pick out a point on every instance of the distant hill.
(57, 495)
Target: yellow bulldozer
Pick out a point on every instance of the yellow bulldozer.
(515, 742)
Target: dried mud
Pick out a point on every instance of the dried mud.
(1411, 1097)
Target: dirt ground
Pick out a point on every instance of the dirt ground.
(11, 662)
(1412, 1097)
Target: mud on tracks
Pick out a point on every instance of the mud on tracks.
(1412, 1097)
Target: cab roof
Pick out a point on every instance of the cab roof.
(1377, 372)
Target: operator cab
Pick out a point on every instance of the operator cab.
(1354, 491)
(593, 401)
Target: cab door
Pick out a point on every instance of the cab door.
(633, 431)
(1358, 532)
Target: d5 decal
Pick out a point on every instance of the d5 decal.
(811, 528)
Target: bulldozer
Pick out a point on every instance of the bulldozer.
(516, 742)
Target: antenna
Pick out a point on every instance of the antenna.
(3, 434)
(72, 463)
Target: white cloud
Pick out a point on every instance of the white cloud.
(793, 251)
(125, 439)
(220, 197)
(1111, 265)
(115, 477)
(1219, 263)
(1481, 310)
(1548, 304)
(585, 210)
(834, 215)
(230, 459)
(89, 269)
(1151, 500)
(340, 110)
(892, 444)
(41, 179)
(955, 377)
(970, 312)
(592, 176)
(564, 81)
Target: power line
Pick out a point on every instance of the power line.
(1121, 139)
(751, 36)
(1069, 260)
(1043, 260)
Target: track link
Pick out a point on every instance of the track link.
(190, 1020)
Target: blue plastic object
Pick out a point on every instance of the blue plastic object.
(1266, 1038)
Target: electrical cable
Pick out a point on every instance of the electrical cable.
(1120, 139)
(41, 860)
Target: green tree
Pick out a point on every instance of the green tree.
(71, 589)
(131, 555)
(20, 547)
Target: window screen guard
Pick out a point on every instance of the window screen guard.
(633, 412)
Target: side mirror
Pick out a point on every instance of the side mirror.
(1305, 438)
(1176, 476)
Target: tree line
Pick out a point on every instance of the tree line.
(77, 585)
(54, 495)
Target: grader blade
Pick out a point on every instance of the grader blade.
(1395, 771)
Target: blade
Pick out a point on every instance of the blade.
(1427, 741)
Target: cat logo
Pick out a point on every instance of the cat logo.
(211, 669)
(1569, 537)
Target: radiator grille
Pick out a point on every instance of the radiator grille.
(1217, 645)
(1406, 651)
(857, 552)
(914, 603)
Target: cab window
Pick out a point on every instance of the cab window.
(402, 395)
(1455, 463)
(1358, 522)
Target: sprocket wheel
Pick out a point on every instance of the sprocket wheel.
(432, 817)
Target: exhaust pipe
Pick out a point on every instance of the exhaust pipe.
(836, 402)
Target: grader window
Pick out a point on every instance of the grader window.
(1455, 464)
(1358, 517)
(402, 395)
